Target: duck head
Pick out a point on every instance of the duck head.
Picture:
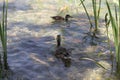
(67, 16)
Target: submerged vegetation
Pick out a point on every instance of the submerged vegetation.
(112, 20)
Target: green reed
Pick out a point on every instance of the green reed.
(90, 21)
(115, 24)
(3, 34)
(0, 67)
(96, 13)
(107, 22)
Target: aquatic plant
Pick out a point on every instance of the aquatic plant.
(95, 61)
(90, 21)
(96, 13)
(0, 67)
(107, 22)
(115, 24)
(3, 35)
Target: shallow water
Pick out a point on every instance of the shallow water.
(31, 43)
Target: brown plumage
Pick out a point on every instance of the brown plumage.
(60, 51)
(60, 18)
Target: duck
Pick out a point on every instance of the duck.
(60, 51)
(60, 18)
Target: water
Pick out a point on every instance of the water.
(31, 43)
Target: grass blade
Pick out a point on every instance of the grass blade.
(99, 9)
(91, 25)
(116, 34)
(3, 33)
(97, 63)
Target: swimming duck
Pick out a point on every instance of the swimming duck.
(60, 18)
(60, 52)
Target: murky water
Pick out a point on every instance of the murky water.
(31, 43)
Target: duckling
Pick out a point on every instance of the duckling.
(60, 51)
(60, 18)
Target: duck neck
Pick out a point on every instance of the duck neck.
(58, 40)
(66, 18)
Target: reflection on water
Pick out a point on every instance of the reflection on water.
(67, 62)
